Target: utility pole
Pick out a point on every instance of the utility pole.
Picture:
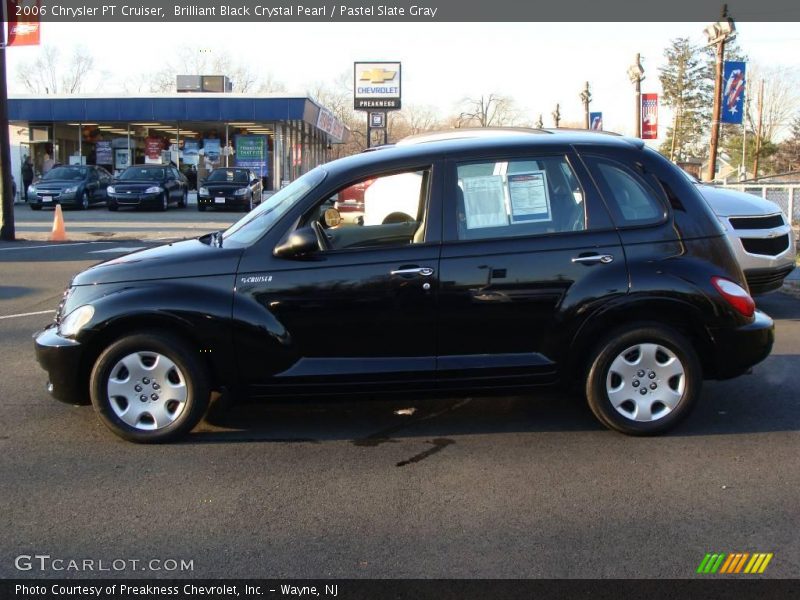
(557, 116)
(760, 126)
(743, 174)
(717, 34)
(636, 75)
(539, 122)
(586, 98)
(7, 212)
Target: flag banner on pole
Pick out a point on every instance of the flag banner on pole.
(596, 121)
(23, 22)
(734, 80)
(649, 116)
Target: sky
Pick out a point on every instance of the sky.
(536, 64)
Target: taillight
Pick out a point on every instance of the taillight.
(735, 295)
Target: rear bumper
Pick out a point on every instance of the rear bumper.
(62, 359)
(740, 348)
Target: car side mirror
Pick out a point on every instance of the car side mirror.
(253, 181)
(300, 242)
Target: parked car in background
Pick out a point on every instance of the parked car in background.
(79, 186)
(579, 259)
(153, 186)
(230, 187)
(761, 235)
(350, 202)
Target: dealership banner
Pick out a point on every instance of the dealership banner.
(649, 116)
(102, 153)
(376, 85)
(251, 152)
(596, 121)
(191, 151)
(152, 148)
(734, 80)
(23, 22)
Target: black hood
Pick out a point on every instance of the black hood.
(189, 258)
(57, 183)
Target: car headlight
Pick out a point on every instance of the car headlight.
(70, 190)
(154, 190)
(76, 320)
(31, 189)
(241, 192)
(203, 191)
(110, 189)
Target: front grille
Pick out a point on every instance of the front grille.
(769, 222)
(766, 246)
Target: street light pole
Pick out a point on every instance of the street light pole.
(7, 216)
(636, 75)
(557, 116)
(586, 98)
(717, 33)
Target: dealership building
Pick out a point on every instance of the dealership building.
(278, 137)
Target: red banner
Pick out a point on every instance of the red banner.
(23, 22)
(153, 147)
(649, 116)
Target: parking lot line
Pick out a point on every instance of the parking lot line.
(53, 245)
(29, 314)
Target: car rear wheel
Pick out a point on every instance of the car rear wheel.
(643, 380)
(184, 199)
(84, 203)
(149, 388)
(164, 202)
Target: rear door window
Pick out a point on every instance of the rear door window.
(631, 199)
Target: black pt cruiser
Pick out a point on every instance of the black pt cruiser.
(482, 265)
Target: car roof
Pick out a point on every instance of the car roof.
(456, 142)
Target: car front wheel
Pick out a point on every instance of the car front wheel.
(643, 380)
(149, 387)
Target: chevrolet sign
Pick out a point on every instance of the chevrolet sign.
(377, 85)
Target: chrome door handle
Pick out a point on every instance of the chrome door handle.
(424, 271)
(594, 258)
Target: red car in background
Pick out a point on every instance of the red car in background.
(350, 202)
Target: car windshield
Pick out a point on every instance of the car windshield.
(142, 174)
(257, 222)
(66, 173)
(229, 176)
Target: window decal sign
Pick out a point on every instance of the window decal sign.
(528, 197)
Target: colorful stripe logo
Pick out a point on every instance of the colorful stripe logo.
(734, 563)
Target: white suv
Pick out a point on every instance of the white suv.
(759, 232)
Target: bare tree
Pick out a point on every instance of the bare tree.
(413, 119)
(781, 99)
(270, 85)
(50, 74)
(493, 110)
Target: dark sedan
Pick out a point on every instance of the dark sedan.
(75, 185)
(230, 187)
(154, 186)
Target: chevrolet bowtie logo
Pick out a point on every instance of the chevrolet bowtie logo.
(377, 75)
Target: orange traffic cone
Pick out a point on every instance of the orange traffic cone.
(59, 233)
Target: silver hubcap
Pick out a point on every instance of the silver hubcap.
(645, 382)
(147, 390)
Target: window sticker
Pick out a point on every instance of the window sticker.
(484, 201)
(528, 197)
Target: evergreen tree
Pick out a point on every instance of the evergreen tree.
(688, 91)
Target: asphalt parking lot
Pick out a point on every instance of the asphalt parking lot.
(462, 487)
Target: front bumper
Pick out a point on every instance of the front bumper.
(62, 358)
(761, 281)
(228, 201)
(740, 348)
(135, 199)
(39, 200)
